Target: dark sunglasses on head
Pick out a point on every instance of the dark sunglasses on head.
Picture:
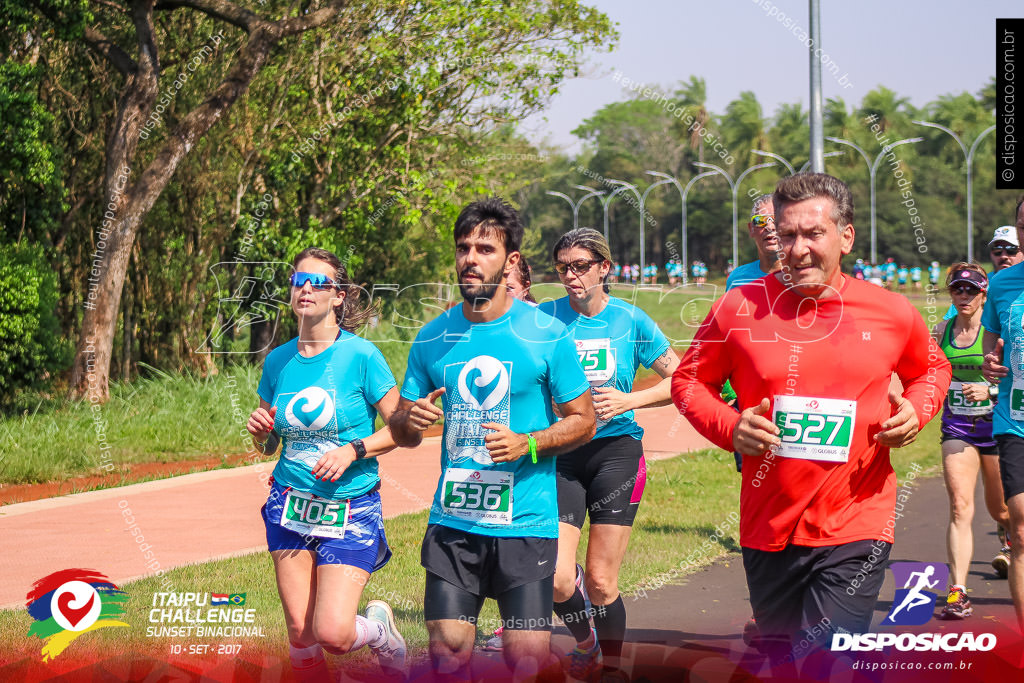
(577, 267)
(316, 280)
(760, 220)
(1010, 251)
(965, 289)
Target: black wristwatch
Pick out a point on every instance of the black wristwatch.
(359, 447)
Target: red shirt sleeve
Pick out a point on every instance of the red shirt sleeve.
(924, 370)
(697, 382)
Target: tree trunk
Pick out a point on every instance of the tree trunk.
(90, 373)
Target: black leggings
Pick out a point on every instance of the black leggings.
(524, 608)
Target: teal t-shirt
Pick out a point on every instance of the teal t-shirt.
(610, 347)
(748, 272)
(506, 371)
(1004, 315)
(323, 403)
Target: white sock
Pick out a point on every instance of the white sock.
(305, 657)
(369, 632)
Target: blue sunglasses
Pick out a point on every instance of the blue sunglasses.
(316, 280)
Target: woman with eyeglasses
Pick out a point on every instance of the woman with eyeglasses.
(605, 478)
(967, 442)
(319, 396)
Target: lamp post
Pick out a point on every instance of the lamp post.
(969, 157)
(826, 156)
(682, 196)
(623, 185)
(735, 188)
(575, 206)
(872, 169)
(772, 155)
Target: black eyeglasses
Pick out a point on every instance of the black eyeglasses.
(577, 267)
(965, 289)
(1010, 251)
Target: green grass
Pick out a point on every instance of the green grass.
(685, 500)
(178, 418)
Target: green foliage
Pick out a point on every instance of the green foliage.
(30, 187)
(30, 343)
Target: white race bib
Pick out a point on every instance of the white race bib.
(961, 405)
(815, 428)
(478, 495)
(597, 359)
(1017, 400)
(312, 515)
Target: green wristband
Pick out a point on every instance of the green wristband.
(533, 448)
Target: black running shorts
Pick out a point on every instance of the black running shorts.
(1011, 464)
(463, 569)
(605, 479)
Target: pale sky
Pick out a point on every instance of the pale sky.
(919, 49)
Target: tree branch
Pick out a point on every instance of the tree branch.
(218, 9)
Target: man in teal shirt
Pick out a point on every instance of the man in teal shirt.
(498, 365)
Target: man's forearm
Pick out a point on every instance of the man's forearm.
(568, 433)
(404, 435)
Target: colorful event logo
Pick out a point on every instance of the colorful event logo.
(71, 602)
(914, 603)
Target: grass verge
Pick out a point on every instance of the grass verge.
(686, 499)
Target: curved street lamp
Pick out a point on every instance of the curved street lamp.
(969, 156)
(575, 206)
(623, 185)
(735, 188)
(772, 155)
(827, 155)
(872, 169)
(684, 260)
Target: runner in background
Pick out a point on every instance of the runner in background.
(519, 282)
(1003, 343)
(499, 367)
(817, 420)
(605, 478)
(967, 442)
(319, 395)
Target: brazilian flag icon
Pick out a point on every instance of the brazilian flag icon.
(237, 598)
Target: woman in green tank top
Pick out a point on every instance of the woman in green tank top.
(967, 442)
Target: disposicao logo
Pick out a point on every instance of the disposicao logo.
(914, 604)
(71, 602)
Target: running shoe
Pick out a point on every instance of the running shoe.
(585, 664)
(390, 655)
(957, 605)
(1001, 562)
(494, 643)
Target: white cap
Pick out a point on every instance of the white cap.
(1005, 233)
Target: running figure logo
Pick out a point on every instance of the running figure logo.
(914, 604)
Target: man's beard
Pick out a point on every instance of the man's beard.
(482, 291)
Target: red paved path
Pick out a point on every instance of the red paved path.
(208, 515)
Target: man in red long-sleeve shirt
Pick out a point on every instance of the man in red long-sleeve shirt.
(810, 354)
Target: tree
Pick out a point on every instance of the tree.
(474, 88)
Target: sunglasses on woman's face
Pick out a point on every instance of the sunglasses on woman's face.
(965, 289)
(315, 280)
(577, 267)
